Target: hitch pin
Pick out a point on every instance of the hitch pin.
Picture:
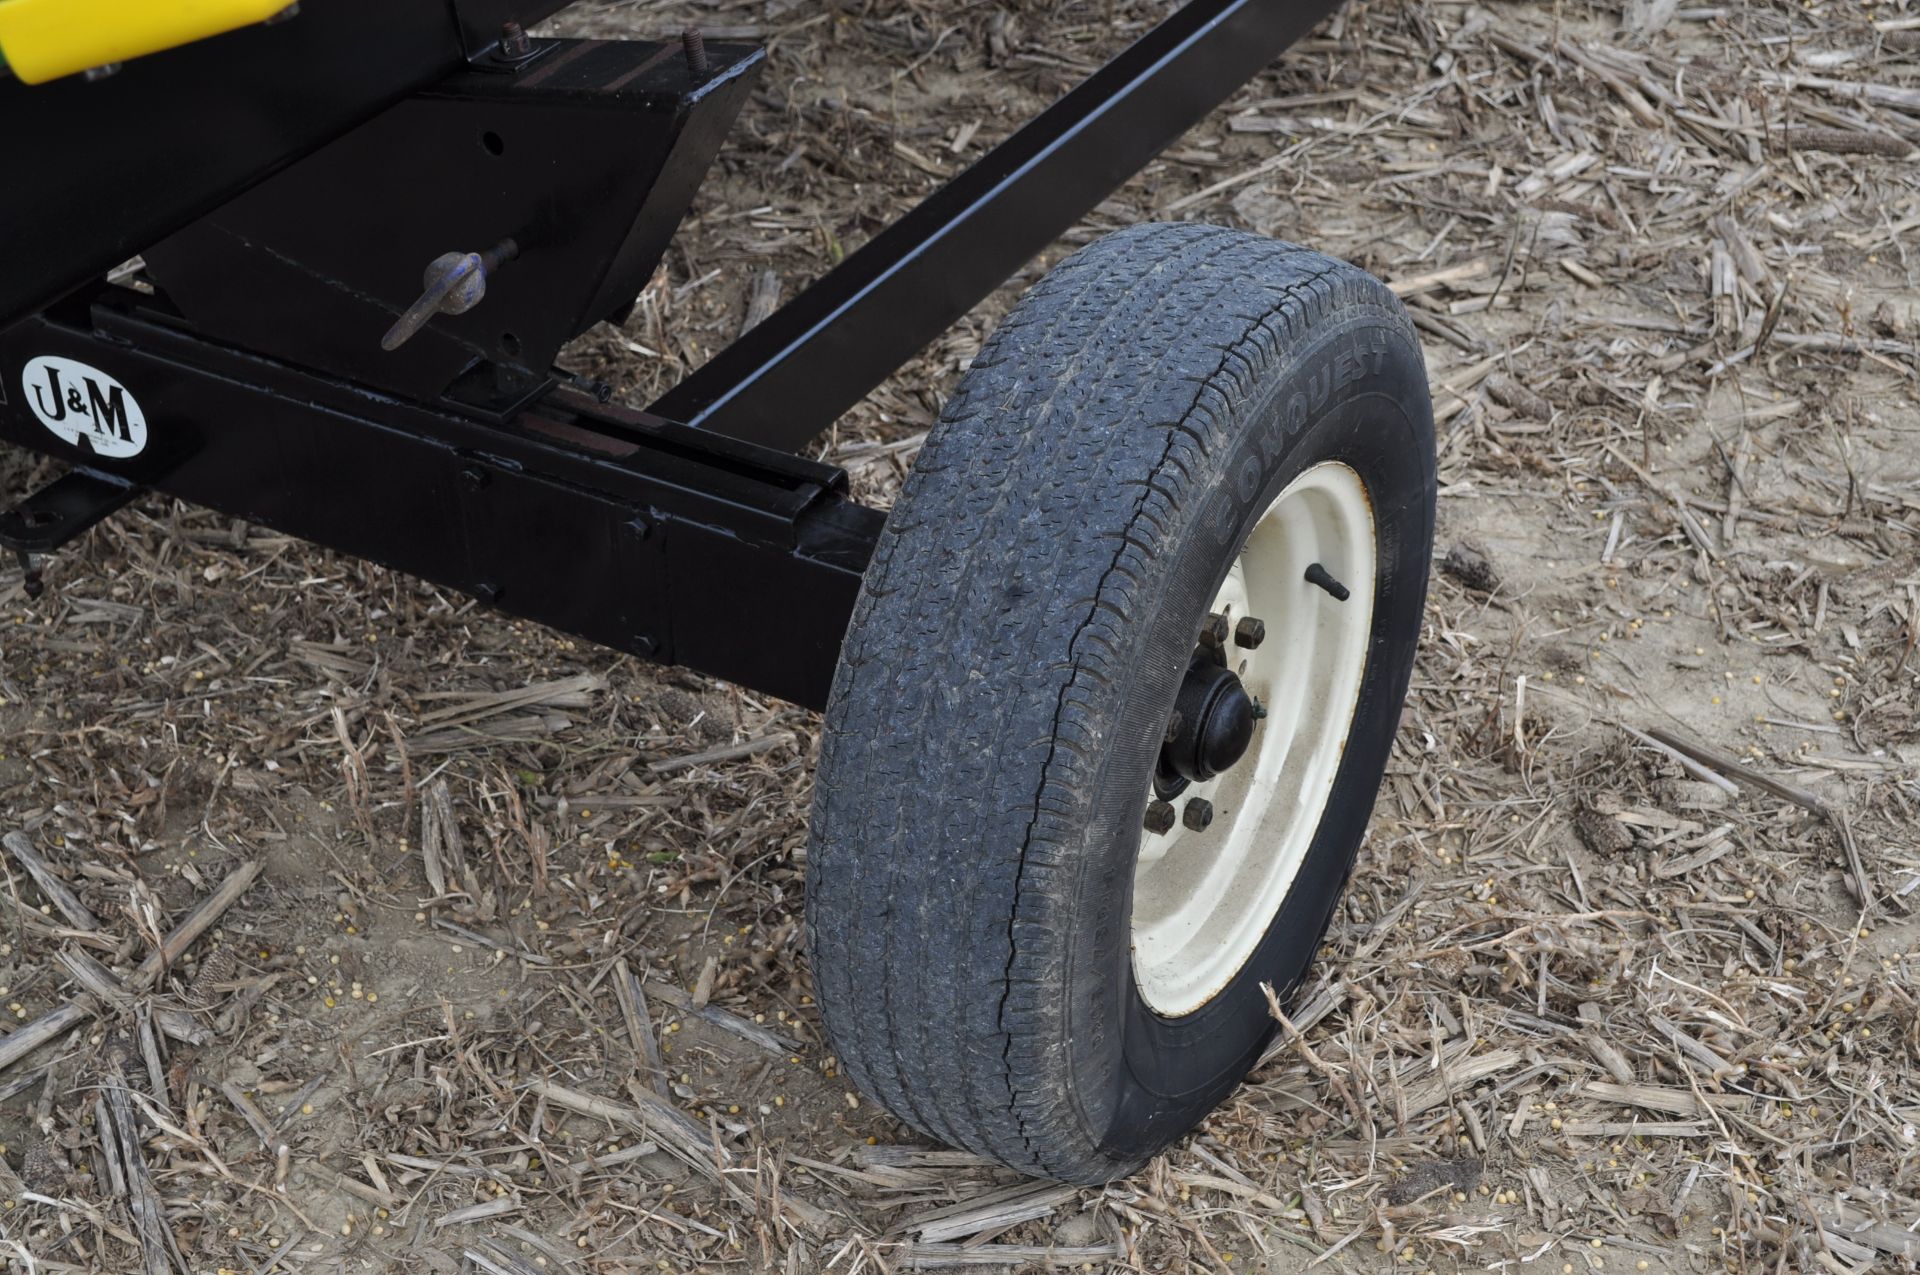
(454, 283)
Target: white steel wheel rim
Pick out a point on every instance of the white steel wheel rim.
(1204, 899)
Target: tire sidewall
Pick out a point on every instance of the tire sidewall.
(1355, 394)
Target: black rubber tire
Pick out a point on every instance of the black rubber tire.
(1011, 667)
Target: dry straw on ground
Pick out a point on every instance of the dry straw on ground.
(349, 927)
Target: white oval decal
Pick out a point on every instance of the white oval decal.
(84, 406)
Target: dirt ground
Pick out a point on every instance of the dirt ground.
(1587, 1007)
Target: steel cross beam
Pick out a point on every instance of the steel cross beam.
(791, 377)
(632, 532)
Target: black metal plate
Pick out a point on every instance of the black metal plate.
(586, 159)
(97, 171)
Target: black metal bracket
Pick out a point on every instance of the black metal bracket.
(583, 160)
(62, 511)
(58, 513)
(188, 129)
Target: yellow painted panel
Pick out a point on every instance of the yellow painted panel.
(43, 40)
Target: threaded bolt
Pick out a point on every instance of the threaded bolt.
(30, 577)
(695, 45)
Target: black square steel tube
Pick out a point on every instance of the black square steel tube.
(788, 379)
(635, 533)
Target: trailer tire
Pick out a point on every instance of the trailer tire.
(981, 895)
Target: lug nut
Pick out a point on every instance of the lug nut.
(1250, 632)
(1213, 631)
(1159, 818)
(1198, 814)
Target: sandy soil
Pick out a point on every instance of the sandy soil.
(1585, 1009)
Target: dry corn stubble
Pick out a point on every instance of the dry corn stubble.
(1584, 1005)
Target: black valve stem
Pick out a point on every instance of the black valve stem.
(1318, 576)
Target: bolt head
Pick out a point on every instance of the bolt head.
(1250, 632)
(1159, 818)
(1197, 814)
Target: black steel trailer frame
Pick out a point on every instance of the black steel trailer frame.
(261, 173)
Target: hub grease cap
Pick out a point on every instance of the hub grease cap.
(1216, 723)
